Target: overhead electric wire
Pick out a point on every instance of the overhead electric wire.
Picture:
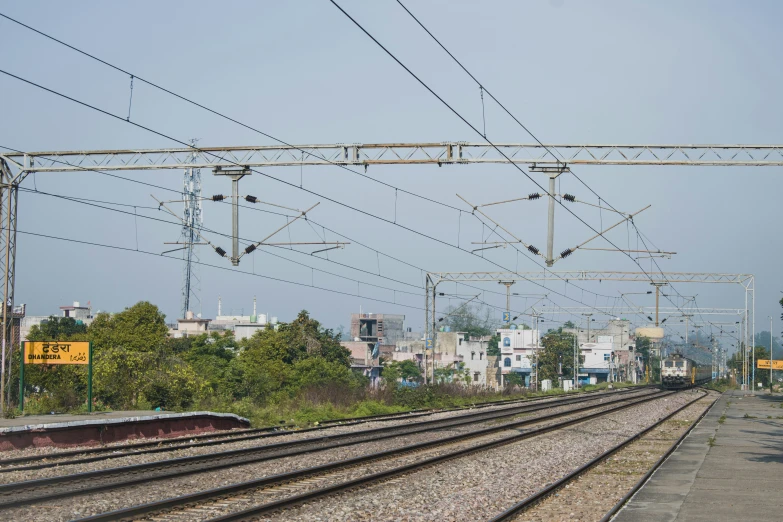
(155, 254)
(321, 156)
(235, 121)
(481, 85)
(92, 203)
(221, 115)
(87, 202)
(163, 135)
(309, 221)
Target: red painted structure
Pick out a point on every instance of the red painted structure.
(95, 432)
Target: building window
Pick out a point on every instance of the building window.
(506, 341)
(460, 341)
(606, 357)
(476, 376)
(519, 357)
(472, 355)
(507, 362)
(481, 356)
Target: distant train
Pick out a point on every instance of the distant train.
(680, 372)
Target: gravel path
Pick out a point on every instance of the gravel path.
(78, 506)
(590, 496)
(479, 486)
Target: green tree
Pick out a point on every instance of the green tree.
(395, 371)
(514, 379)
(494, 345)
(475, 321)
(556, 358)
(213, 359)
(643, 348)
(56, 387)
(296, 355)
(134, 365)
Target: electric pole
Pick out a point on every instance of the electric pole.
(508, 285)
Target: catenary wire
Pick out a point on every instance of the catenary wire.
(152, 84)
(355, 209)
(456, 113)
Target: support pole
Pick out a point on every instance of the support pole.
(550, 231)
(657, 300)
(427, 331)
(21, 378)
(9, 191)
(89, 381)
(235, 219)
(434, 294)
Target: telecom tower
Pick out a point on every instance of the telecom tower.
(191, 224)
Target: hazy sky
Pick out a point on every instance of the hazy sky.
(573, 72)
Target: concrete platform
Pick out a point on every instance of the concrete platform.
(734, 479)
(104, 427)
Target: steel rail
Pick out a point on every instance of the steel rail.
(112, 452)
(31, 491)
(363, 481)
(642, 481)
(533, 499)
(271, 481)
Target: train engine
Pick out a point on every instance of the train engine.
(680, 372)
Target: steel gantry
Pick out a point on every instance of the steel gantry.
(15, 166)
(747, 281)
(433, 153)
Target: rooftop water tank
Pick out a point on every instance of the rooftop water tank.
(262, 319)
(253, 318)
(274, 320)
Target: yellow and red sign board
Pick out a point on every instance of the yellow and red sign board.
(57, 352)
(764, 364)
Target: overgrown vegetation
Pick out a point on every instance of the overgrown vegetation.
(719, 385)
(298, 373)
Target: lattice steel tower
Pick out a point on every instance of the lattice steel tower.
(192, 223)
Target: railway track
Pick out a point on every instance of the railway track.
(256, 493)
(520, 510)
(34, 491)
(87, 455)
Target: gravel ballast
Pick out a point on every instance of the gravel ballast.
(83, 506)
(482, 485)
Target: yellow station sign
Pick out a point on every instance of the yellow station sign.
(764, 364)
(57, 352)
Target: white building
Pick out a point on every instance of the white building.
(473, 354)
(190, 326)
(518, 352)
(76, 311)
